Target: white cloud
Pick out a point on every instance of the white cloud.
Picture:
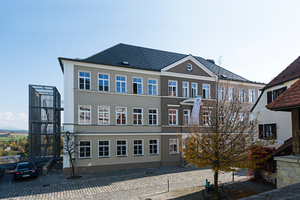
(18, 121)
(6, 116)
(23, 117)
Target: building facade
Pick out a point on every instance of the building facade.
(130, 104)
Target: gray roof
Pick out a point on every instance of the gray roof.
(151, 59)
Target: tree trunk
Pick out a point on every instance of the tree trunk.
(216, 195)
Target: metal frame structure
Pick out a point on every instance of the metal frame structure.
(44, 122)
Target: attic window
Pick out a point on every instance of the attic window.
(125, 63)
(189, 67)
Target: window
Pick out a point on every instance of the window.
(121, 116)
(173, 146)
(230, 94)
(206, 91)
(173, 88)
(251, 96)
(206, 118)
(121, 148)
(272, 95)
(173, 117)
(189, 67)
(137, 116)
(259, 93)
(84, 80)
(152, 114)
(242, 95)
(152, 87)
(103, 146)
(185, 89)
(138, 148)
(186, 116)
(84, 149)
(84, 114)
(103, 115)
(194, 90)
(153, 147)
(103, 82)
(137, 86)
(221, 93)
(233, 119)
(121, 84)
(242, 120)
(267, 131)
(251, 119)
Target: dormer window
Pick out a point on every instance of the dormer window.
(189, 67)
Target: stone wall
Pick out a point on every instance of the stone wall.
(288, 170)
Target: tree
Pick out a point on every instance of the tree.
(70, 146)
(225, 134)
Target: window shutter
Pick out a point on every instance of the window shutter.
(274, 132)
(269, 97)
(261, 131)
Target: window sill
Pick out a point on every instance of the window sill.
(86, 158)
(153, 154)
(174, 153)
(103, 156)
(138, 155)
(122, 156)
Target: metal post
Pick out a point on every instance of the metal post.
(232, 176)
(168, 185)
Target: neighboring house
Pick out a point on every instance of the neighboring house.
(130, 103)
(272, 123)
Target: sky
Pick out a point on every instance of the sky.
(254, 39)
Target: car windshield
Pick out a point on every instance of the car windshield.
(25, 165)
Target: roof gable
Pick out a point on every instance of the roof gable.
(289, 73)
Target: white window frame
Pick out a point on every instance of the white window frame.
(79, 111)
(84, 79)
(171, 144)
(152, 116)
(242, 95)
(85, 147)
(138, 145)
(176, 115)
(188, 115)
(196, 89)
(206, 117)
(221, 92)
(137, 84)
(251, 93)
(120, 112)
(230, 93)
(207, 91)
(258, 93)
(156, 85)
(121, 84)
(187, 89)
(157, 144)
(104, 150)
(137, 116)
(103, 115)
(103, 81)
(176, 88)
(121, 148)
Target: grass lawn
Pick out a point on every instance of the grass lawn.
(15, 137)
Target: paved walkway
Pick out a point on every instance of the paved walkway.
(129, 184)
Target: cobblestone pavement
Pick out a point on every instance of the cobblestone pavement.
(128, 184)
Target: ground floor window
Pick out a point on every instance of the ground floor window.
(138, 147)
(104, 148)
(267, 131)
(121, 147)
(84, 149)
(153, 147)
(173, 143)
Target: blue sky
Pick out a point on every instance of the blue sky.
(256, 39)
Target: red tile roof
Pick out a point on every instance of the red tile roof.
(290, 98)
(289, 73)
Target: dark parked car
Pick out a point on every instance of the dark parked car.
(25, 169)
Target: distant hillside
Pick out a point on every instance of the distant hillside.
(15, 131)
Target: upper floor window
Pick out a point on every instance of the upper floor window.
(103, 115)
(189, 67)
(84, 114)
(137, 86)
(206, 91)
(173, 88)
(85, 80)
(137, 116)
(152, 87)
(259, 93)
(173, 117)
(121, 114)
(186, 116)
(121, 84)
(267, 131)
(251, 96)
(272, 95)
(221, 93)
(242, 95)
(84, 149)
(206, 118)
(152, 116)
(103, 81)
(230, 93)
(185, 89)
(194, 90)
